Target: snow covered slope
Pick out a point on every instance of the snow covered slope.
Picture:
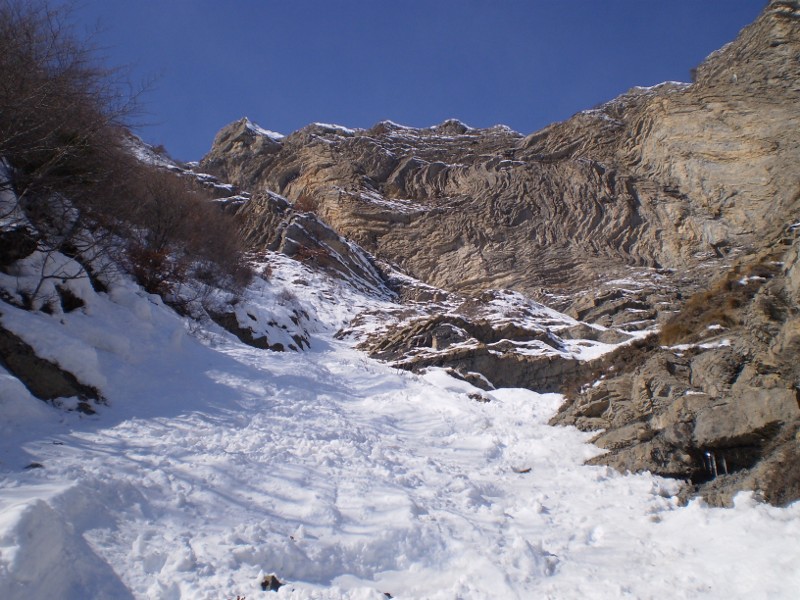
(216, 463)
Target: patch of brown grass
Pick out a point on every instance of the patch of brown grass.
(306, 203)
(721, 304)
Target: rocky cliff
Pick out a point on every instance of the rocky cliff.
(669, 177)
(674, 204)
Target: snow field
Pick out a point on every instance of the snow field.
(216, 463)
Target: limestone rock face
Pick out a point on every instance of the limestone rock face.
(271, 223)
(673, 176)
(677, 204)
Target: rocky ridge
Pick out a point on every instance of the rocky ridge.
(670, 177)
(674, 204)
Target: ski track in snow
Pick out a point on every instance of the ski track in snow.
(217, 463)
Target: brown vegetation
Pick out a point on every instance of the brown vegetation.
(64, 140)
(306, 203)
(61, 111)
(313, 255)
(179, 232)
(719, 304)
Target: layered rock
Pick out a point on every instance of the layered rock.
(670, 176)
(680, 199)
(722, 407)
(270, 222)
(495, 339)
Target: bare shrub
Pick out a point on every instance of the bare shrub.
(266, 272)
(306, 254)
(182, 233)
(61, 134)
(63, 137)
(61, 111)
(306, 203)
(155, 269)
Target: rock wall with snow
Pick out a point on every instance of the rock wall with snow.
(616, 216)
(676, 176)
(206, 442)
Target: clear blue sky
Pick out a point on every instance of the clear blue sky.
(287, 63)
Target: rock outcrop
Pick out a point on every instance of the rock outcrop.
(674, 176)
(718, 403)
(43, 378)
(495, 339)
(270, 222)
(677, 204)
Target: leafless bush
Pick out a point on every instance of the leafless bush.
(306, 254)
(63, 136)
(306, 203)
(61, 111)
(181, 233)
(266, 272)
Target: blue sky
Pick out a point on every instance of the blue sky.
(418, 62)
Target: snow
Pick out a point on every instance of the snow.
(261, 131)
(663, 84)
(746, 280)
(723, 343)
(397, 205)
(335, 128)
(40, 274)
(216, 463)
(393, 124)
(147, 154)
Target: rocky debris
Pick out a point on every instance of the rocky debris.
(44, 379)
(496, 339)
(722, 408)
(635, 300)
(230, 323)
(468, 347)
